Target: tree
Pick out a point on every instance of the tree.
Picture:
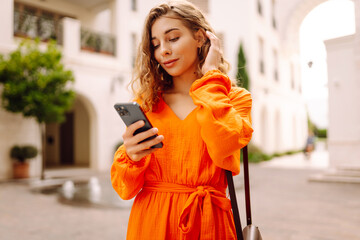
(36, 84)
(242, 79)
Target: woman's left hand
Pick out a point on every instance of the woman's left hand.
(213, 58)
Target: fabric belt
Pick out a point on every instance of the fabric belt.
(200, 204)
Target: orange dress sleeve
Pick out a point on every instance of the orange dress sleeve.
(224, 116)
(127, 176)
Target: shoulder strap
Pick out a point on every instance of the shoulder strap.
(234, 205)
(247, 185)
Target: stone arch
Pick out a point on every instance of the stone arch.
(294, 18)
(92, 127)
(73, 143)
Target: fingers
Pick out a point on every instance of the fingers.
(139, 147)
(215, 41)
(213, 58)
(136, 150)
(139, 150)
(138, 156)
(133, 127)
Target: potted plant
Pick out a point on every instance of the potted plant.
(20, 154)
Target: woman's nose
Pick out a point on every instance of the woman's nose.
(165, 50)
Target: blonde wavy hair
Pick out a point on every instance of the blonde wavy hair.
(149, 78)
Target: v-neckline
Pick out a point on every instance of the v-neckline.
(174, 114)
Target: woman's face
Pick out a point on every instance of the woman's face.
(175, 47)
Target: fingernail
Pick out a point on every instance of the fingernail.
(155, 130)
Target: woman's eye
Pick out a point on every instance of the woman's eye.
(174, 39)
(156, 46)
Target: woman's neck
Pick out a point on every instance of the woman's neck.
(182, 84)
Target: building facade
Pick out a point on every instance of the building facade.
(343, 64)
(99, 40)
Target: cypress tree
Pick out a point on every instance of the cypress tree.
(242, 79)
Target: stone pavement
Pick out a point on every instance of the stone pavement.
(285, 206)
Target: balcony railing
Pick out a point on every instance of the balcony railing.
(30, 26)
(97, 42)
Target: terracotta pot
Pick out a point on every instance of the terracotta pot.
(20, 169)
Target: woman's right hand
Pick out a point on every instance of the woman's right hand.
(135, 150)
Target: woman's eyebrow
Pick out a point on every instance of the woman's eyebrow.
(167, 31)
(171, 29)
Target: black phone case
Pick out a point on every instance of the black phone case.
(131, 113)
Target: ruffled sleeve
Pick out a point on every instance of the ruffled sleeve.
(127, 176)
(224, 116)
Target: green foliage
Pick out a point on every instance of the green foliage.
(35, 82)
(321, 133)
(242, 79)
(311, 125)
(256, 155)
(23, 153)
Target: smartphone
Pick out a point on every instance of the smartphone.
(130, 113)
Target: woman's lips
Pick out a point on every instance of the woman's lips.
(170, 63)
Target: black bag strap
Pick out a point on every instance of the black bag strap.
(247, 185)
(234, 205)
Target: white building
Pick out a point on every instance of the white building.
(343, 64)
(93, 128)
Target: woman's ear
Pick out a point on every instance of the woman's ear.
(201, 37)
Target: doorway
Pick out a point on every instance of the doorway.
(67, 140)
(68, 143)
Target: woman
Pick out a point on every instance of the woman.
(202, 121)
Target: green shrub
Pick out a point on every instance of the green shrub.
(23, 153)
(321, 133)
(256, 155)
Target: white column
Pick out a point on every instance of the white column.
(344, 103)
(123, 30)
(357, 15)
(6, 22)
(357, 22)
(71, 37)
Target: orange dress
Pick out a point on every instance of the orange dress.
(181, 189)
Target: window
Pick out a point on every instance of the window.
(33, 22)
(292, 76)
(273, 19)
(134, 5)
(259, 7)
(261, 56)
(276, 74)
(203, 5)
(133, 48)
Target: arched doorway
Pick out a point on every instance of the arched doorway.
(342, 69)
(68, 143)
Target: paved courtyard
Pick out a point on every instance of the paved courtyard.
(285, 206)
